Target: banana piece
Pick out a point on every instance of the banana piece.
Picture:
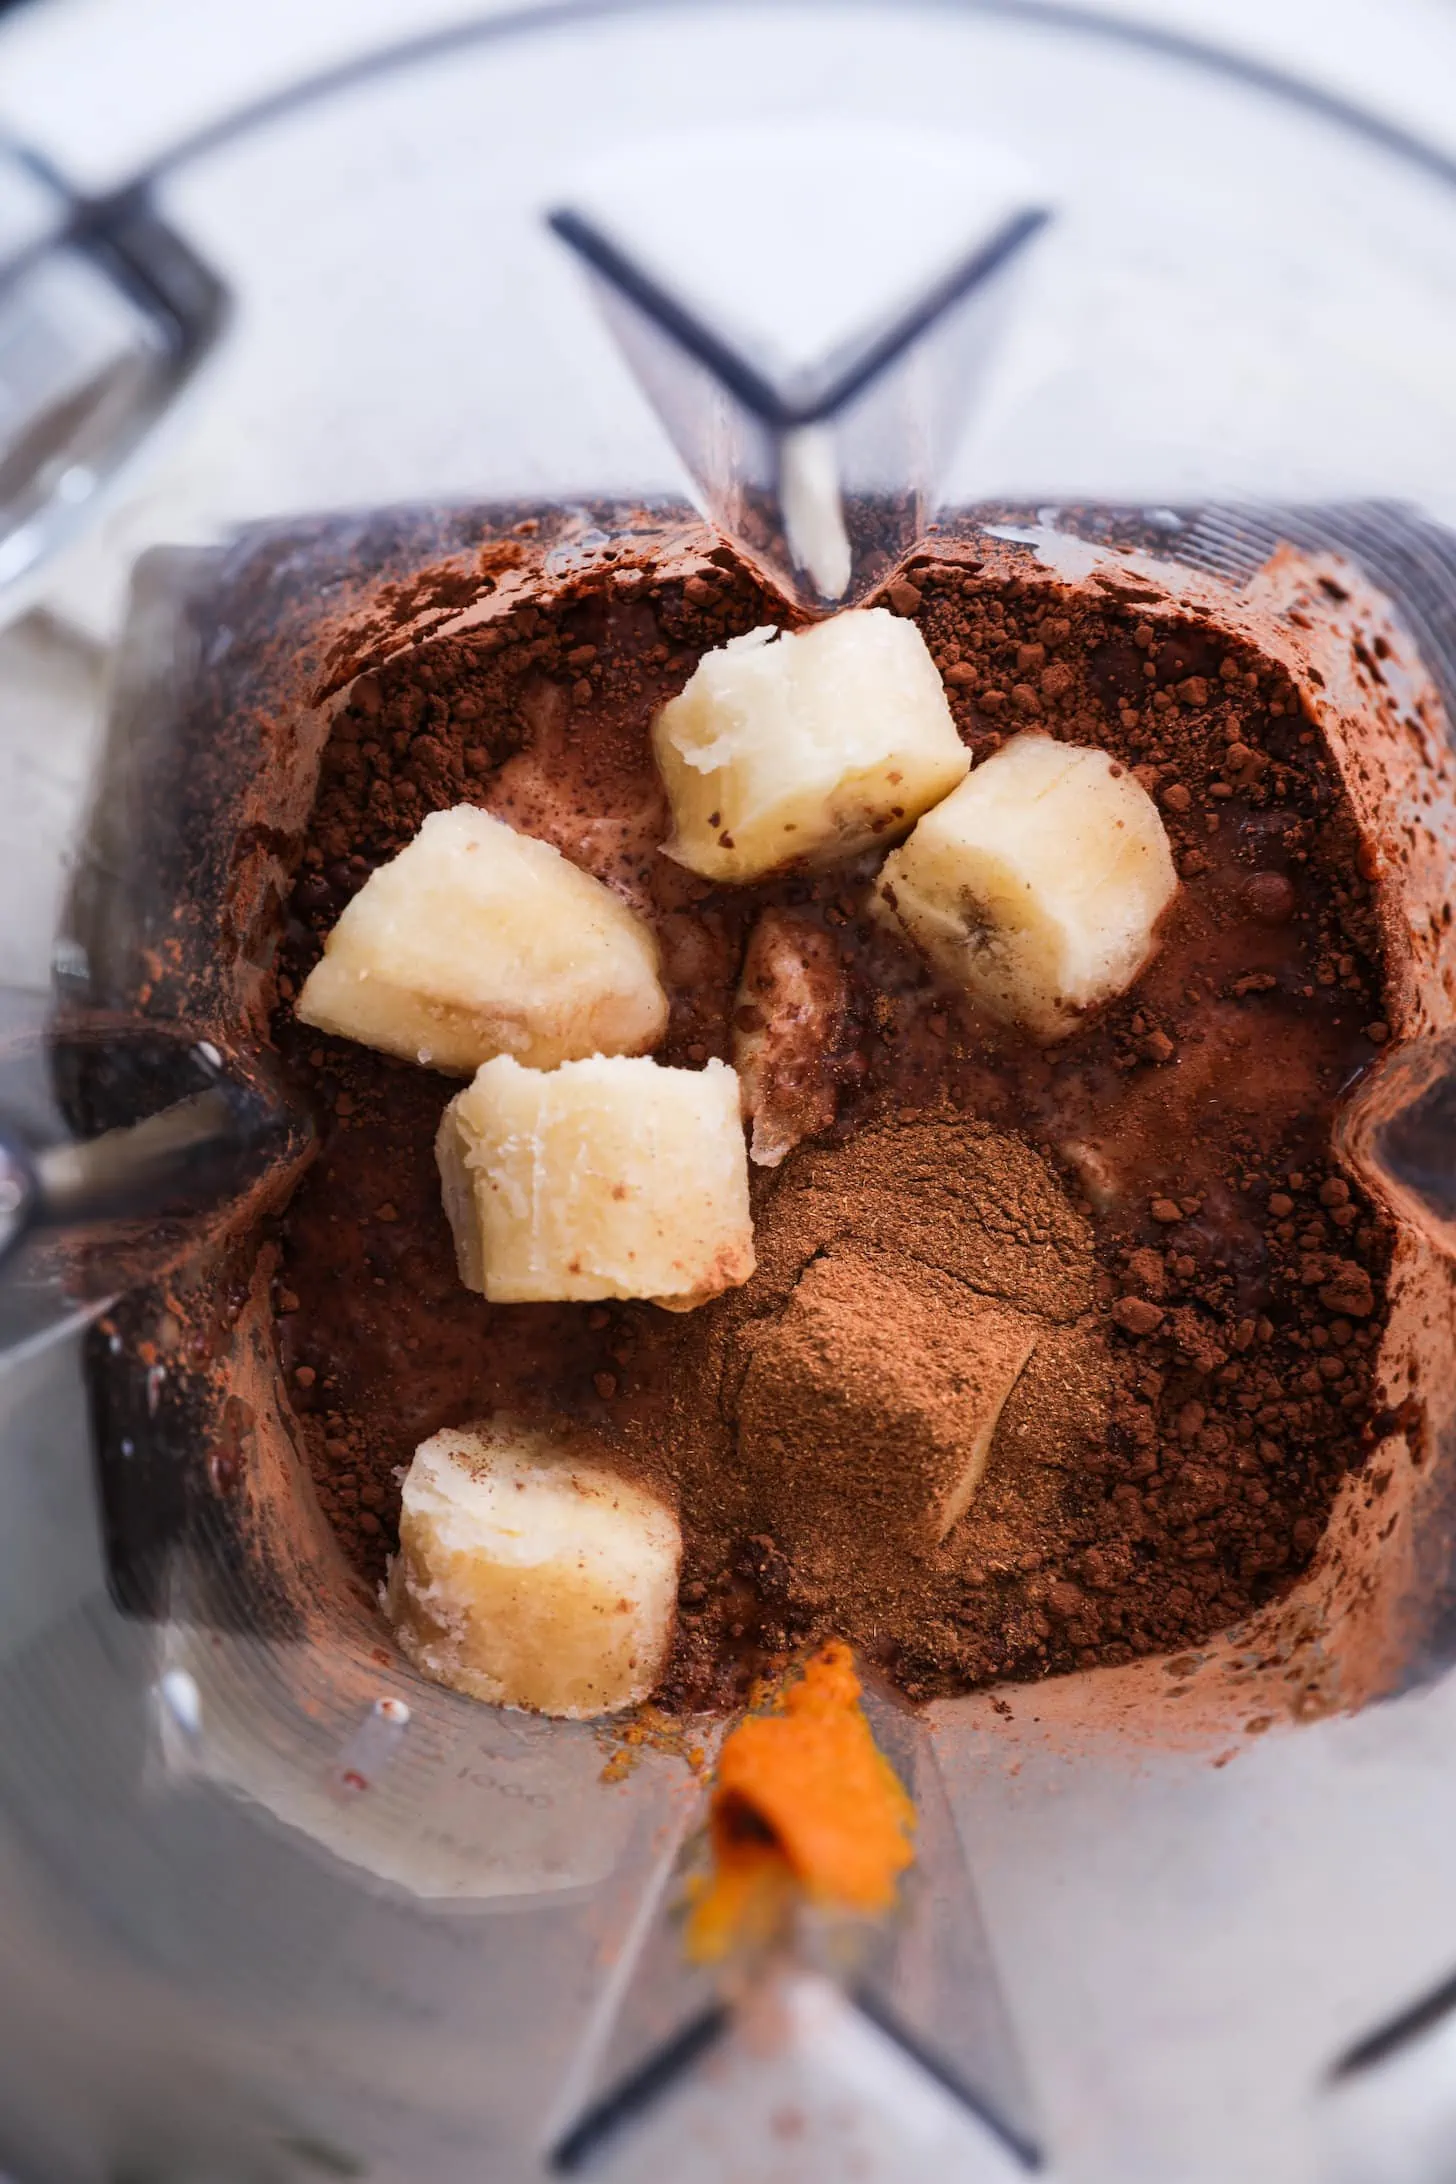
(475, 941)
(805, 747)
(530, 1576)
(788, 1023)
(1038, 885)
(603, 1178)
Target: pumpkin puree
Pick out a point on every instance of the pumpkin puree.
(804, 1805)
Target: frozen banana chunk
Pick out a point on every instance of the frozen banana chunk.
(788, 1028)
(604, 1178)
(806, 746)
(476, 940)
(1038, 885)
(531, 1576)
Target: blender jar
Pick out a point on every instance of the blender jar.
(273, 1906)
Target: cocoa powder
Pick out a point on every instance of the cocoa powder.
(1156, 1197)
(942, 1241)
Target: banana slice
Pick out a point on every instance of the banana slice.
(805, 747)
(604, 1178)
(475, 941)
(788, 1024)
(529, 1576)
(1038, 885)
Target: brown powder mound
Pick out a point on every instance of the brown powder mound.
(868, 1406)
(908, 1281)
(951, 1192)
(1158, 1195)
(923, 1313)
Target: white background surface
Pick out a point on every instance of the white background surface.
(102, 84)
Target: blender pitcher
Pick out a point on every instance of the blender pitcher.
(272, 1905)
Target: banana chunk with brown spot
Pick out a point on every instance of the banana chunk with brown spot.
(1037, 886)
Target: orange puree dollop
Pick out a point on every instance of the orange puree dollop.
(804, 1804)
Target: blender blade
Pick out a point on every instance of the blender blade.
(816, 378)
